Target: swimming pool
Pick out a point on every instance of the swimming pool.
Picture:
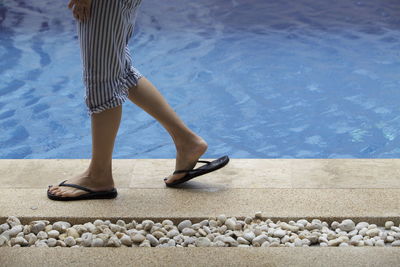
(254, 78)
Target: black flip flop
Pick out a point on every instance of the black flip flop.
(91, 195)
(209, 167)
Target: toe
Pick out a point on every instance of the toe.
(173, 177)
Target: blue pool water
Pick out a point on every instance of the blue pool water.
(254, 78)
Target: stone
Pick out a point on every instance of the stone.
(171, 243)
(221, 218)
(248, 220)
(202, 232)
(97, 242)
(70, 241)
(51, 242)
(87, 239)
(289, 227)
(390, 239)
(396, 243)
(173, 233)
(380, 243)
(373, 232)
(230, 224)
(61, 226)
(98, 222)
(213, 223)
(113, 242)
(184, 224)
(368, 242)
(334, 242)
(36, 228)
(158, 234)
(153, 241)
(121, 223)
(13, 221)
(258, 215)
(241, 240)
(72, 232)
(138, 238)
(257, 241)
(249, 236)
(355, 239)
(188, 231)
(4, 227)
(363, 231)
(126, 240)
(279, 233)
(362, 225)
(42, 235)
(53, 234)
(20, 241)
(231, 241)
(388, 225)
(203, 242)
(147, 224)
(347, 225)
(167, 222)
(145, 243)
(15, 230)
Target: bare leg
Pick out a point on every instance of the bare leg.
(98, 176)
(189, 146)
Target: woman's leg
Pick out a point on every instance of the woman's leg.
(189, 146)
(98, 176)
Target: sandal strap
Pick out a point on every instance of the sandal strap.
(180, 171)
(205, 161)
(76, 186)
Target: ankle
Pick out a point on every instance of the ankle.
(187, 140)
(98, 171)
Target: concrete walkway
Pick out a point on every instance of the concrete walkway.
(283, 189)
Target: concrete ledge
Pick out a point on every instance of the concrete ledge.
(239, 173)
(274, 256)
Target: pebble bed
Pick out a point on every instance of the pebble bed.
(221, 231)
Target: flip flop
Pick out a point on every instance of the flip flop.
(91, 195)
(209, 167)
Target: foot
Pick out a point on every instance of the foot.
(94, 182)
(187, 156)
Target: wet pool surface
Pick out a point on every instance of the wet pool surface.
(256, 79)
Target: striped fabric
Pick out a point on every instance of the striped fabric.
(107, 64)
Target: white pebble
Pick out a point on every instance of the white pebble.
(396, 243)
(97, 242)
(113, 242)
(388, 224)
(61, 226)
(362, 225)
(13, 221)
(188, 231)
(373, 232)
(249, 236)
(147, 224)
(380, 243)
(153, 241)
(347, 225)
(279, 233)
(70, 241)
(138, 238)
(126, 240)
(203, 242)
(184, 224)
(230, 224)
